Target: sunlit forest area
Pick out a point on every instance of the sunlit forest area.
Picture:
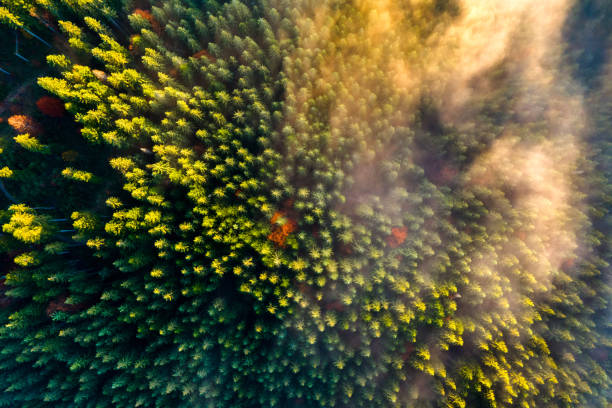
(306, 203)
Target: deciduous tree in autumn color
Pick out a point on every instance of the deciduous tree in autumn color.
(51, 106)
(24, 124)
(397, 237)
(282, 226)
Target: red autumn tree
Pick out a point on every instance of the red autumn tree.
(282, 226)
(146, 14)
(51, 106)
(24, 124)
(397, 237)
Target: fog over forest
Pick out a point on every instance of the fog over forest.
(306, 203)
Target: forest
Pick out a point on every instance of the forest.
(306, 203)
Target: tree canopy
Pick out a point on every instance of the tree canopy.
(273, 203)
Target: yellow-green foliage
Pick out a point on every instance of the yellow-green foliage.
(31, 143)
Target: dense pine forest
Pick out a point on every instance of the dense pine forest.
(306, 203)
